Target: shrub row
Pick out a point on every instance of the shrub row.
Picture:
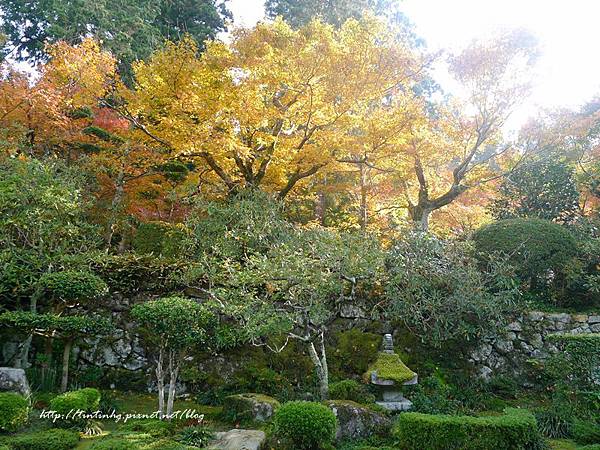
(54, 439)
(516, 429)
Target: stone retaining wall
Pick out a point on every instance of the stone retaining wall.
(526, 339)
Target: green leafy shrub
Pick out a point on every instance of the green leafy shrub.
(73, 285)
(350, 390)
(516, 429)
(153, 427)
(554, 422)
(198, 436)
(585, 432)
(68, 401)
(438, 290)
(92, 396)
(536, 247)
(114, 444)
(14, 411)
(160, 238)
(54, 439)
(308, 425)
(353, 353)
(433, 396)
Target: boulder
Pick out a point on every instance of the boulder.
(250, 407)
(238, 439)
(14, 380)
(357, 421)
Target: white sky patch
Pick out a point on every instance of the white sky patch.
(568, 72)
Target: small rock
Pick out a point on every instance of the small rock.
(357, 421)
(485, 372)
(514, 326)
(560, 317)
(595, 328)
(238, 440)
(580, 318)
(250, 407)
(535, 316)
(593, 319)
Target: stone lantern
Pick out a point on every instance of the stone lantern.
(389, 372)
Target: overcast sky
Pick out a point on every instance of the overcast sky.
(568, 31)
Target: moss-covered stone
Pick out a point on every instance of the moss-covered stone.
(250, 407)
(357, 421)
(389, 366)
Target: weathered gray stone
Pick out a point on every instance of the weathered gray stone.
(238, 440)
(515, 326)
(14, 380)
(503, 346)
(357, 421)
(560, 317)
(593, 319)
(580, 318)
(535, 316)
(595, 328)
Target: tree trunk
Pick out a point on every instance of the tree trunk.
(363, 198)
(419, 217)
(320, 362)
(160, 381)
(64, 384)
(22, 361)
(173, 372)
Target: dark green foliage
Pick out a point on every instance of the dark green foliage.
(335, 12)
(556, 420)
(350, 390)
(14, 411)
(516, 429)
(438, 291)
(198, 436)
(538, 249)
(54, 439)
(307, 425)
(114, 444)
(71, 286)
(353, 352)
(160, 239)
(43, 218)
(586, 431)
(66, 326)
(131, 274)
(102, 134)
(130, 31)
(574, 370)
(542, 188)
(433, 396)
(156, 428)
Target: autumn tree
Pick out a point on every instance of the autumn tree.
(460, 145)
(270, 109)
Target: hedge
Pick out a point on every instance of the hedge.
(515, 429)
(54, 439)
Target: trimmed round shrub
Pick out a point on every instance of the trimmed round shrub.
(54, 439)
(68, 401)
(73, 285)
(308, 425)
(535, 247)
(14, 411)
(350, 390)
(92, 396)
